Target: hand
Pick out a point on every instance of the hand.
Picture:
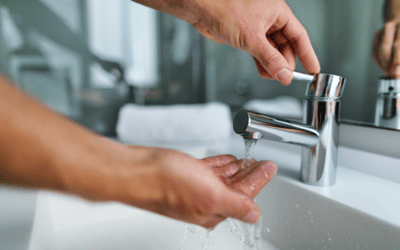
(204, 192)
(386, 48)
(267, 29)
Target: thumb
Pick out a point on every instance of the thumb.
(240, 207)
(272, 61)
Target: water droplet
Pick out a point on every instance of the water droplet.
(208, 241)
(330, 239)
(312, 221)
(348, 233)
(297, 205)
(191, 228)
(309, 212)
(267, 230)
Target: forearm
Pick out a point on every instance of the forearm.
(38, 147)
(392, 10)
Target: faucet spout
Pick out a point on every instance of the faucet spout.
(258, 126)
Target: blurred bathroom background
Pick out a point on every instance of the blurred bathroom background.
(87, 58)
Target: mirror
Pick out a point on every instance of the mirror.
(342, 33)
(191, 69)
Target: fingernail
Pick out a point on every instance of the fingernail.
(284, 76)
(252, 217)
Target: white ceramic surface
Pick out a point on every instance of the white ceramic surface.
(17, 214)
(73, 224)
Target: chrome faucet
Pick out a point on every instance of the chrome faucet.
(319, 134)
(387, 111)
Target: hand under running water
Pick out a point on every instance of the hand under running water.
(203, 192)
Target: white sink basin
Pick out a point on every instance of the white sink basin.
(17, 213)
(293, 218)
(298, 219)
(71, 223)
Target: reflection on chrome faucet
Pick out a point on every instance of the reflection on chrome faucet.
(319, 134)
(387, 112)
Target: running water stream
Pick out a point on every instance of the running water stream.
(249, 145)
(249, 235)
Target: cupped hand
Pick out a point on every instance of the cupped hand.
(267, 29)
(203, 192)
(386, 48)
(206, 192)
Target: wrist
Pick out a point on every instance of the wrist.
(104, 170)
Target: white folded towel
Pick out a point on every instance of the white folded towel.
(282, 106)
(197, 124)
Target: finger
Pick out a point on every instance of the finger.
(231, 169)
(297, 36)
(285, 48)
(386, 48)
(261, 71)
(212, 222)
(251, 183)
(394, 69)
(219, 161)
(376, 49)
(239, 207)
(271, 60)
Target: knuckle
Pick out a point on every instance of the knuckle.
(270, 60)
(251, 42)
(301, 32)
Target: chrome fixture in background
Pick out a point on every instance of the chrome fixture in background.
(318, 134)
(387, 112)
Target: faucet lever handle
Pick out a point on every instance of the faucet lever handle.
(303, 76)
